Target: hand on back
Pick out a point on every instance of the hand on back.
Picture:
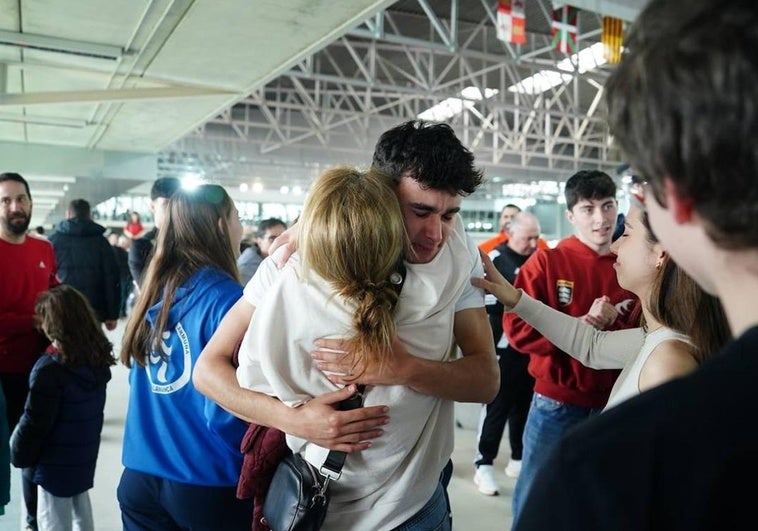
(288, 240)
(321, 422)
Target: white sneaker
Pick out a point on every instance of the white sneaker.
(514, 468)
(484, 479)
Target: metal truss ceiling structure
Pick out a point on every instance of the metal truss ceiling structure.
(331, 107)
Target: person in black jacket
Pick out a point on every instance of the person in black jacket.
(58, 437)
(120, 245)
(142, 248)
(515, 395)
(86, 261)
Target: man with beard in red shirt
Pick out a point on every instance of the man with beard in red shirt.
(27, 267)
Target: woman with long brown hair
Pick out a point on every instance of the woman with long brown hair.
(680, 327)
(181, 451)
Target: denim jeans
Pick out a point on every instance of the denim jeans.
(548, 420)
(432, 517)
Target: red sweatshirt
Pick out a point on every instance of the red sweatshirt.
(26, 269)
(568, 278)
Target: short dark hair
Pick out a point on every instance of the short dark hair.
(588, 184)
(10, 176)
(266, 224)
(80, 208)
(682, 105)
(164, 187)
(429, 153)
(510, 205)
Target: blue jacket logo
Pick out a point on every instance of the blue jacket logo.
(171, 372)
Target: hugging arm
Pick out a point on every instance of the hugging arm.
(317, 421)
(473, 377)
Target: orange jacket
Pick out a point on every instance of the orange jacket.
(502, 237)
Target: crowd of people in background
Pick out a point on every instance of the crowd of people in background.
(614, 357)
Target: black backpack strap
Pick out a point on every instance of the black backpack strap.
(332, 467)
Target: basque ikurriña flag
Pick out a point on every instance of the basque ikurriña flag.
(511, 21)
(564, 29)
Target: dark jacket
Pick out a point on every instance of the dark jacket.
(139, 254)
(122, 260)
(59, 432)
(5, 456)
(86, 262)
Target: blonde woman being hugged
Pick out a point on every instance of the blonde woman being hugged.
(680, 327)
(340, 285)
(181, 451)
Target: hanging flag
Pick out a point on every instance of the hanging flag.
(511, 21)
(564, 29)
(613, 33)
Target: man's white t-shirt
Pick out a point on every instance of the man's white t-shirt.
(382, 486)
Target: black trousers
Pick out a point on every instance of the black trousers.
(511, 404)
(151, 503)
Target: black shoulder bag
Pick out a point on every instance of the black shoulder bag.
(298, 496)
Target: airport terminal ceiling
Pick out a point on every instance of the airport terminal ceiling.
(272, 92)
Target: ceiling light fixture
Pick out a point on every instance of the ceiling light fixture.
(190, 181)
(56, 44)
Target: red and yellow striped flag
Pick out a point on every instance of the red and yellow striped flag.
(612, 36)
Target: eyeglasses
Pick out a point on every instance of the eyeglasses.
(637, 190)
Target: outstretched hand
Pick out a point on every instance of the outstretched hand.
(321, 422)
(496, 284)
(601, 314)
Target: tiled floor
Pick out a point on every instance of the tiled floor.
(471, 510)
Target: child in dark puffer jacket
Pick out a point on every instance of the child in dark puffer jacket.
(58, 436)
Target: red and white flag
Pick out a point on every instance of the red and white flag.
(564, 29)
(511, 21)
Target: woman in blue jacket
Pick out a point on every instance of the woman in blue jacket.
(181, 451)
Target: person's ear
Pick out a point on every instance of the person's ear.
(220, 224)
(660, 255)
(682, 208)
(570, 216)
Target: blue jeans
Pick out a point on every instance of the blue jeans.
(548, 420)
(434, 516)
